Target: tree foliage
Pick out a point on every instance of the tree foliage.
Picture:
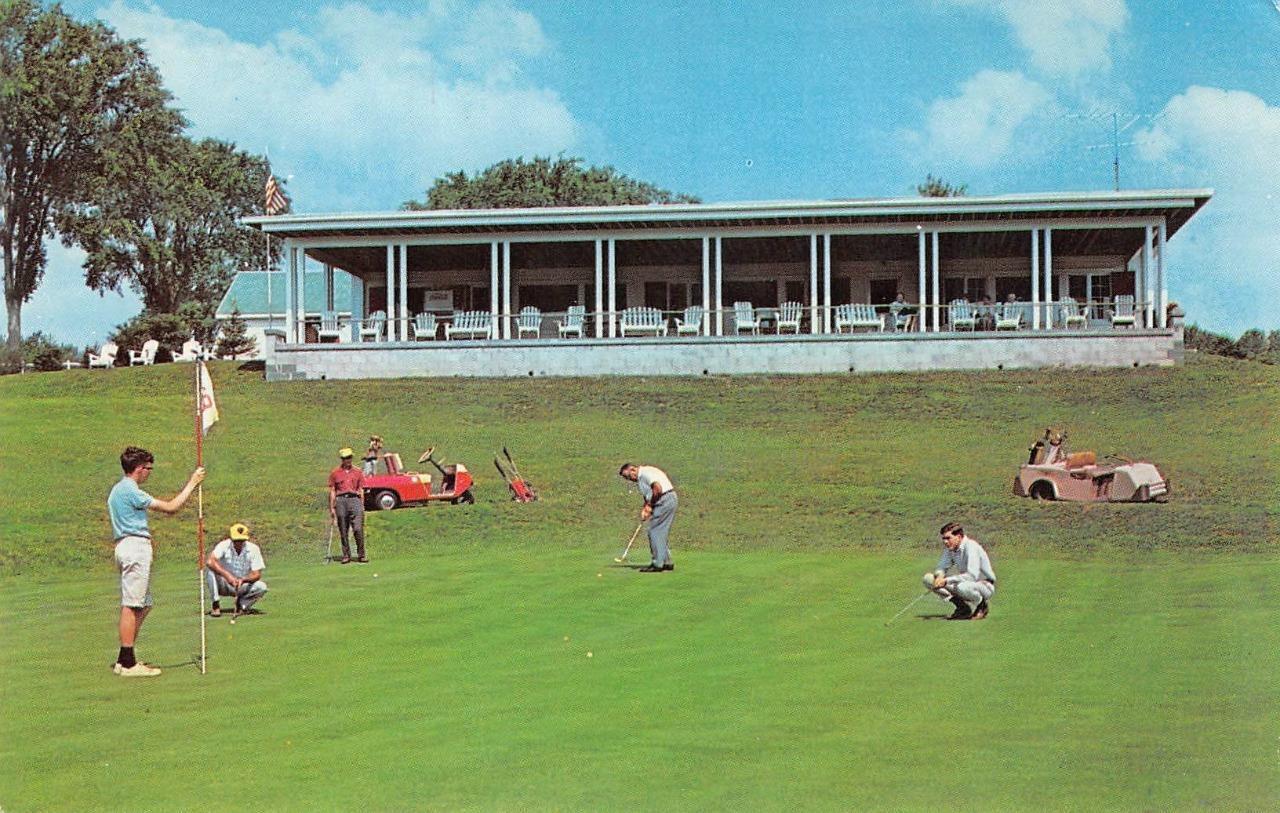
(938, 188)
(1253, 344)
(235, 339)
(66, 90)
(517, 183)
(165, 220)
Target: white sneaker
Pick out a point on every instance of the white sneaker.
(137, 670)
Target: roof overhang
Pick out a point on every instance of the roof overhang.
(1175, 206)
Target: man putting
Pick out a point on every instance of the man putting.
(346, 504)
(972, 581)
(660, 503)
(128, 505)
(234, 568)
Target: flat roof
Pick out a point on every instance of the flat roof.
(1176, 205)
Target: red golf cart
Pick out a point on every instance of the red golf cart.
(394, 486)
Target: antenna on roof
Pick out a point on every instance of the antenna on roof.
(1116, 129)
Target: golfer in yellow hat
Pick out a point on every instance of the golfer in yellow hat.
(234, 568)
(346, 504)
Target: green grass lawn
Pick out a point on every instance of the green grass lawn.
(1130, 661)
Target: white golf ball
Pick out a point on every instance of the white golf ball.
(375, 575)
(589, 655)
(233, 621)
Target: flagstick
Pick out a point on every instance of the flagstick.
(199, 366)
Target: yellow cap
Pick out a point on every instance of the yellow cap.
(345, 452)
(239, 532)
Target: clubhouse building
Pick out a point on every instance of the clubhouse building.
(1010, 281)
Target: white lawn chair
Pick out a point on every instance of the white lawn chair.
(744, 318)
(424, 326)
(1011, 316)
(691, 323)
(329, 328)
(962, 315)
(573, 321)
(789, 316)
(105, 357)
(900, 320)
(642, 320)
(371, 328)
(470, 324)
(529, 321)
(191, 351)
(146, 356)
(1123, 314)
(1072, 315)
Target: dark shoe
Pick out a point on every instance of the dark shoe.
(346, 560)
(216, 612)
(980, 612)
(364, 560)
(650, 569)
(668, 567)
(962, 613)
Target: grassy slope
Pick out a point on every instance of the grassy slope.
(1119, 670)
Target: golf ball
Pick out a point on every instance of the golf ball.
(375, 575)
(589, 655)
(599, 575)
(233, 621)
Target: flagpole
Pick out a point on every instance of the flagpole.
(199, 369)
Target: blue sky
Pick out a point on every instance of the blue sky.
(364, 103)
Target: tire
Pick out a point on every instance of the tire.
(1041, 490)
(386, 500)
(465, 498)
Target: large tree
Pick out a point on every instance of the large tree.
(66, 89)
(165, 220)
(938, 188)
(517, 183)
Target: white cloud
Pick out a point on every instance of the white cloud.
(365, 107)
(977, 128)
(1225, 267)
(1066, 38)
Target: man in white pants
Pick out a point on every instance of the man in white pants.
(971, 582)
(234, 568)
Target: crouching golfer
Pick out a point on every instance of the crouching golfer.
(234, 568)
(660, 505)
(128, 505)
(972, 581)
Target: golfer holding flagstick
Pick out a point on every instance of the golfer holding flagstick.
(660, 503)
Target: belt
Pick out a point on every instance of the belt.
(665, 493)
(345, 494)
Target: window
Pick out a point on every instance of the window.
(796, 292)
(972, 289)
(1094, 289)
(655, 295)
(884, 291)
(760, 293)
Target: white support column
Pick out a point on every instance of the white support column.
(1162, 293)
(611, 268)
(300, 320)
(505, 332)
(826, 283)
(813, 283)
(494, 253)
(719, 287)
(1048, 278)
(937, 288)
(706, 286)
(328, 287)
(403, 327)
(598, 318)
(288, 290)
(1144, 268)
(391, 291)
(1035, 280)
(359, 295)
(922, 294)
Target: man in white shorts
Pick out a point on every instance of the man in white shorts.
(234, 568)
(964, 575)
(128, 505)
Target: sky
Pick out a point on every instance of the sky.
(361, 105)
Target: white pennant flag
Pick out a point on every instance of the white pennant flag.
(208, 406)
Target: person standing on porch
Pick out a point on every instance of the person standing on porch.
(660, 503)
(346, 504)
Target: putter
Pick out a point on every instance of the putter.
(239, 592)
(627, 550)
(328, 554)
(908, 607)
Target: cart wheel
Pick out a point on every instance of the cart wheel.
(386, 500)
(465, 498)
(1041, 490)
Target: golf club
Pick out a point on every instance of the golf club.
(512, 462)
(627, 550)
(908, 607)
(328, 554)
(239, 592)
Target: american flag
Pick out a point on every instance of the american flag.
(276, 200)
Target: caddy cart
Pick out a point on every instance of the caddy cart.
(394, 487)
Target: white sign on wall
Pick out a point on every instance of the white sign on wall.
(437, 301)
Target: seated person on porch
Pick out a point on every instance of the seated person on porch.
(987, 314)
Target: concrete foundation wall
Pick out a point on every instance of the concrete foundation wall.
(727, 356)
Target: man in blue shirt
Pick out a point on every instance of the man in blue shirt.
(128, 505)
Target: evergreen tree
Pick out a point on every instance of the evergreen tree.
(938, 188)
(235, 339)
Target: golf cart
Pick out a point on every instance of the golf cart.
(1051, 473)
(394, 487)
